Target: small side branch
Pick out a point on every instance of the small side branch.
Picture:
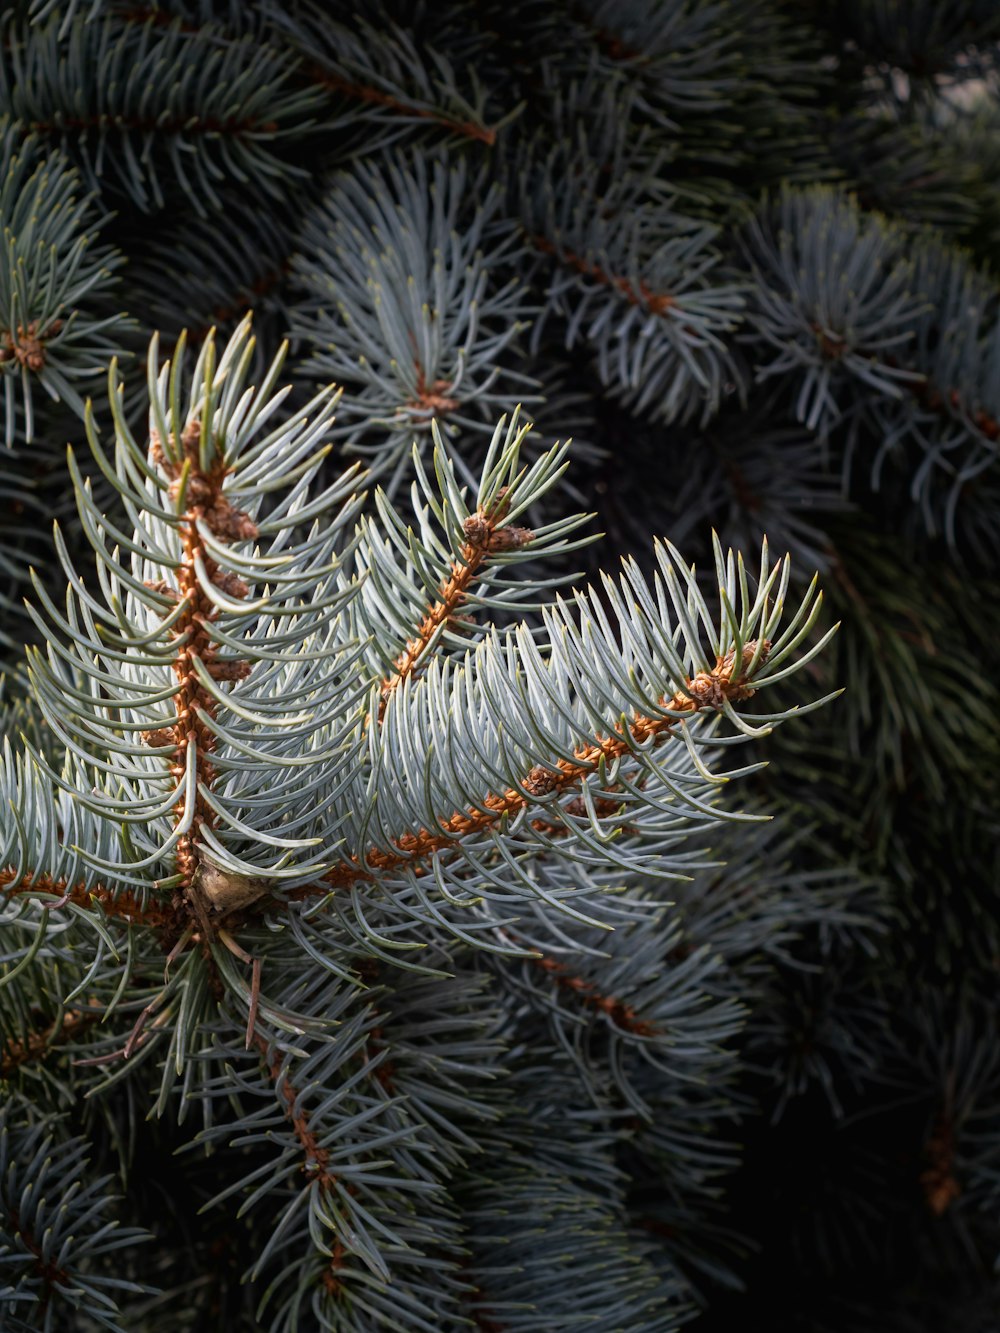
(708, 690)
(621, 1014)
(193, 704)
(317, 1157)
(37, 1044)
(941, 401)
(657, 303)
(230, 127)
(49, 1273)
(125, 905)
(365, 93)
(485, 535)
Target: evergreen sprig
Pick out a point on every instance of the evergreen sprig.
(382, 86)
(361, 865)
(634, 280)
(844, 300)
(57, 322)
(60, 1238)
(152, 108)
(293, 799)
(398, 304)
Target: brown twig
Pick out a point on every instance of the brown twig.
(363, 92)
(940, 1186)
(124, 905)
(621, 1014)
(317, 1163)
(37, 1044)
(484, 535)
(928, 395)
(657, 303)
(193, 704)
(317, 1157)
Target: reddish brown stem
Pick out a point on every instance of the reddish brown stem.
(657, 303)
(621, 1014)
(362, 92)
(317, 1161)
(941, 1188)
(124, 905)
(921, 387)
(193, 704)
(37, 1044)
(317, 1157)
(484, 534)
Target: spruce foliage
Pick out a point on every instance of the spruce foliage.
(406, 923)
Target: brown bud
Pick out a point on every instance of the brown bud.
(478, 530)
(707, 690)
(603, 806)
(231, 584)
(228, 669)
(500, 505)
(510, 539)
(540, 781)
(225, 890)
(160, 736)
(164, 589)
(191, 438)
(156, 449)
(229, 524)
(725, 664)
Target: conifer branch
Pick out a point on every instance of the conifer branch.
(946, 402)
(230, 127)
(50, 1274)
(707, 690)
(391, 247)
(59, 1235)
(943, 401)
(57, 325)
(144, 87)
(317, 1157)
(634, 278)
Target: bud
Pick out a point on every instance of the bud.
(224, 890)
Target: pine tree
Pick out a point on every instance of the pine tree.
(382, 947)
